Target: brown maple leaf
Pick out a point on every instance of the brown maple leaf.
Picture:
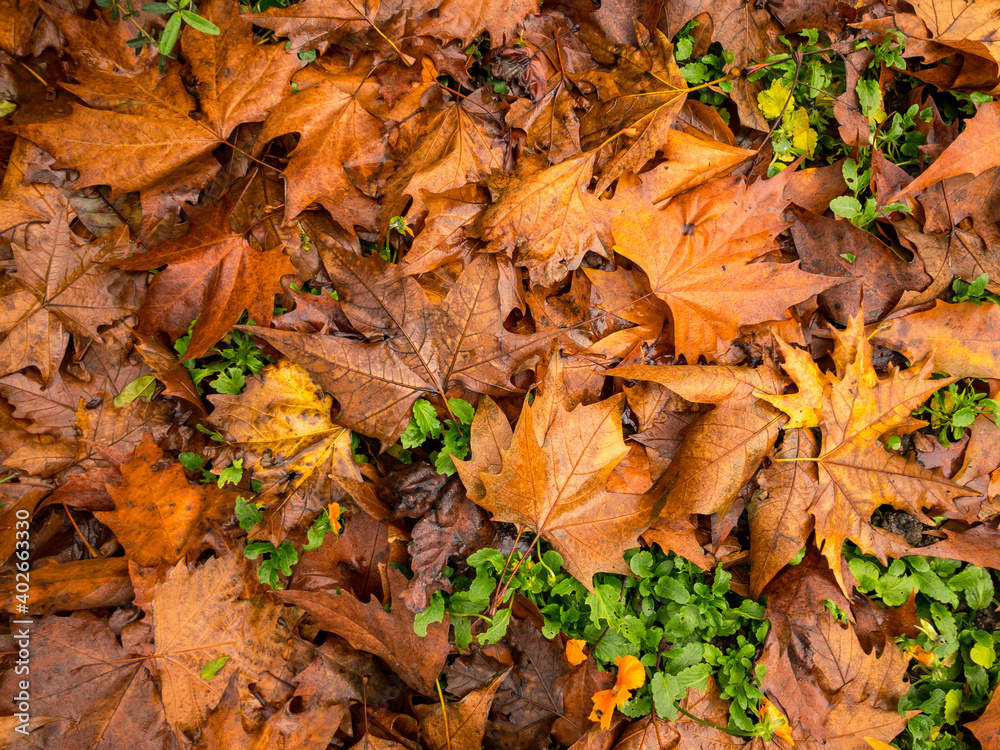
(460, 725)
(466, 19)
(199, 617)
(724, 447)
(421, 349)
(564, 474)
(213, 274)
(457, 148)
(336, 131)
(964, 338)
(856, 474)
(974, 151)
(138, 133)
(548, 214)
(637, 103)
(700, 251)
(97, 697)
(60, 287)
(387, 634)
(159, 515)
(318, 23)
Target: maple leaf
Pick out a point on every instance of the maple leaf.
(744, 29)
(462, 724)
(424, 349)
(974, 151)
(321, 22)
(338, 132)
(699, 254)
(550, 124)
(987, 727)
(965, 25)
(159, 516)
(563, 474)
(466, 19)
(311, 725)
(638, 101)
(282, 425)
(445, 236)
(98, 696)
(213, 274)
(829, 688)
(151, 146)
(548, 214)
(198, 617)
(723, 448)
(387, 634)
(101, 583)
(962, 337)
(458, 149)
(856, 475)
(60, 287)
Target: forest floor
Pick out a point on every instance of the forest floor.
(452, 374)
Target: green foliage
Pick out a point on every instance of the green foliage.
(322, 526)
(858, 178)
(972, 291)
(961, 666)
(231, 474)
(213, 667)
(447, 440)
(178, 12)
(226, 367)
(702, 69)
(956, 407)
(248, 513)
(142, 387)
(680, 622)
(276, 561)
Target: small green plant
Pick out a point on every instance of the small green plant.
(178, 12)
(248, 513)
(447, 440)
(973, 291)
(704, 68)
(851, 207)
(212, 668)
(954, 668)
(277, 561)
(680, 622)
(956, 407)
(226, 367)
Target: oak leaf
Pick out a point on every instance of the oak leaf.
(422, 348)
(198, 617)
(699, 254)
(557, 476)
(213, 274)
(856, 475)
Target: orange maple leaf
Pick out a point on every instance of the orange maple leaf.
(631, 676)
